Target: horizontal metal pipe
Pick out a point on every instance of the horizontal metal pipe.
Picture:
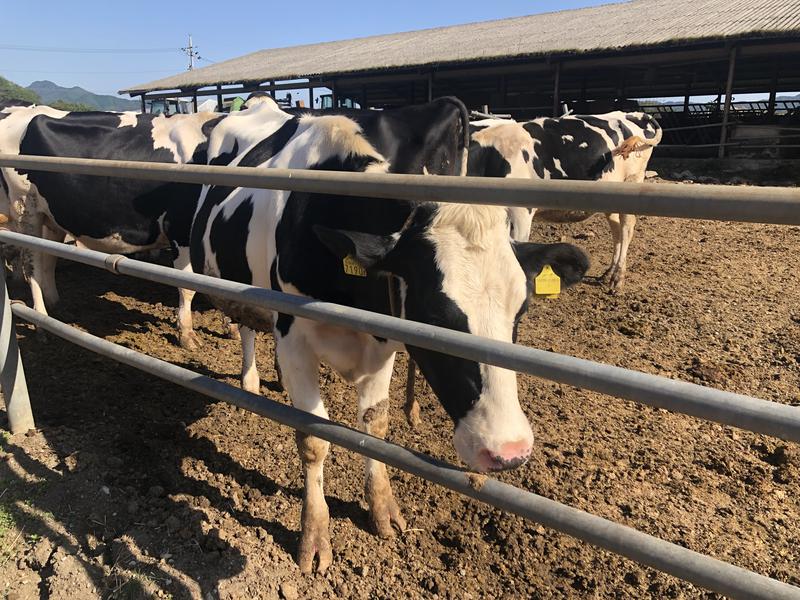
(691, 566)
(716, 202)
(753, 414)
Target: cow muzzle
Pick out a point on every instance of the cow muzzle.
(493, 445)
(510, 456)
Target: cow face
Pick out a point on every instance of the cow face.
(460, 270)
(501, 148)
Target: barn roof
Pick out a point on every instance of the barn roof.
(636, 23)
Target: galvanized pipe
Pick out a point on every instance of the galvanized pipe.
(723, 203)
(691, 566)
(12, 375)
(749, 413)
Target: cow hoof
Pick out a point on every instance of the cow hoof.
(189, 340)
(384, 514)
(233, 330)
(412, 413)
(616, 284)
(251, 382)
(315, 542)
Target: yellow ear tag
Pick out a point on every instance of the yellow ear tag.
(353, 267)
(547, 283)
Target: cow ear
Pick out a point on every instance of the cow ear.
(367, 248)
(569, 262)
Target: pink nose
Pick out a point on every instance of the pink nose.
(509, 456)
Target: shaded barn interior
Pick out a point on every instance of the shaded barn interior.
(588, 60)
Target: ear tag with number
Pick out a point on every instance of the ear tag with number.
(353, 267)
(547, 283)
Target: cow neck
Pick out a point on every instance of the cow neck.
(393, 281)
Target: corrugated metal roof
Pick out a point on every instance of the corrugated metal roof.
(628, 24)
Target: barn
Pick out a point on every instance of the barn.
(591, 60)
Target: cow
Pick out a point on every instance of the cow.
(453, 266)
(610, 147)
(103, 213)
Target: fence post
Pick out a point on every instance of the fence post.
(12, 375)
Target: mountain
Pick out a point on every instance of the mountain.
(49, 92)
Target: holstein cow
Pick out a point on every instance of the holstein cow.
(455, 266)
(103, 213)
(611, 147)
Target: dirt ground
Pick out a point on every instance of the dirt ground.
(133, 488)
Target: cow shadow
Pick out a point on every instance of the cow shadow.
(103, 441)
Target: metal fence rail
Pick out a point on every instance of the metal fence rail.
(722, 203)
(686, 564)
(738, 410)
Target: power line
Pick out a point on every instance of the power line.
(86, 50)
(58, 71)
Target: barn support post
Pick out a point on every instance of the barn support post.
(311, 96)
(194, 100)
(271, 90)
(773, 93)
(687, 96)
(219, 99)
(723, 136)
(556, 90)
(144, 105)
(364, 96)
(12, 375)
(334, 96)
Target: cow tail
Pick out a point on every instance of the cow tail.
(652, 121)
(463, 134)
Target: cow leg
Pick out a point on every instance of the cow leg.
(301, 377)
(251, 382)
(36, 278)
(628, 224)
(373, 417)
(186, 334)
(616, 238)
(411, 407)
(48, 266)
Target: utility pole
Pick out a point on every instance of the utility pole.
(191, 52)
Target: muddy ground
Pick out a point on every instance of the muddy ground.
(135, 488)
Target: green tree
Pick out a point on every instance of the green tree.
(71, 106)
(11, 91)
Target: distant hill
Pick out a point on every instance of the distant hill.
(11, 93)
(49, 92)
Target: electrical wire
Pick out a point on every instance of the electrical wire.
(86, 50)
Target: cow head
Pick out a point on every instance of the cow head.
(459, 270)
(503, 148)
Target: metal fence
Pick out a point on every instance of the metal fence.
(775, 205)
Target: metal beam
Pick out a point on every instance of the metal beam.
(757, 204)
(556, 90)
(753, 414)
(723, 136)
(12, 375)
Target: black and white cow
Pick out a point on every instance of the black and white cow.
(610, 147)
(455, 265)
(103, 213)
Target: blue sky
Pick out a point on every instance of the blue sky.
(221, 30)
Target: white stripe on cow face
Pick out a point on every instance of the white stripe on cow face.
(483, 277)
(515, 145)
